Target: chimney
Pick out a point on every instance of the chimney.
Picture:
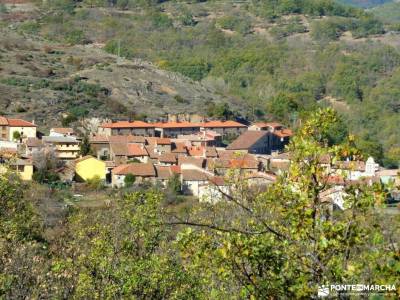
(33, 121)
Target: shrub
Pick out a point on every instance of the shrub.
(95, 183)
(129, 180)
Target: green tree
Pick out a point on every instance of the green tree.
(16, 135)
(129, 180)
(174, 184)
(85, 148)
(287, 241)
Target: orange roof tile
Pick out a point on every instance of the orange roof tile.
(179, 148)
(167, 158)
(176, 169)
(210, 124)
(127, 124)
(222, 124)
(283, 133)
(196, 151)
(3, 121)
(20, 123)
(62, 130)
(137, 169)
(158, 141)
(177, 125)
(136, 150)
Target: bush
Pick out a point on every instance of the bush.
(129, 180)
(76, 36)
(235, 23)
(180, 99)
(95, 183)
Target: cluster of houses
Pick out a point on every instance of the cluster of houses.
(200, 155)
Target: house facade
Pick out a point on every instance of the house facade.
(137, 128)
(8, 127)
(66, 148)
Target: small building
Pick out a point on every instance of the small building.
(23, 167)
(65, 147)
(192, 179)
(161, 145)
(62, 131)
(260, 142)
(142, 172)
(173, 129)
(266, 126)
(225, 128)
(8, 127)
(389, 175)
(167, 159)
(33, 145)
(165, 173)
(215, 190)
(206, 138)
(355, 170)
(88, 167)
(121, 153)
(179, 149)
(101, 146)
(138, 128)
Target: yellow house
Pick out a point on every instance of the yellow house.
(23, 167)
(88, 167)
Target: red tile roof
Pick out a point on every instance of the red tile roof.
(196, 151)
(222, 124)
(127, 124)
(137, 169)
(164, 172)
(99, 139)
(246, 140)
(210, 124)
(283, 133)
(62, 130)
(167, 158)
(194, 175)
(124, 149)
(211, 152)
(196, 161)
(3, 121)
(20, 123)
(218, 181)
(136, 150)
(274, 125)
(176, 169)
(33, 142)
(177, 125)
(158, 141)
(179, 148)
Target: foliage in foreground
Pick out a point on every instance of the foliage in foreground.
(282, 243)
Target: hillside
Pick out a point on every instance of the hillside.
(270, 60)
(45, 81)
(366, 3)
(389, 12)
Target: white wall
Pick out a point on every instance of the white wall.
(27, 131)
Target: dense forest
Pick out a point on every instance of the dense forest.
(282, 59)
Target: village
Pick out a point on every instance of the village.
(201, 157)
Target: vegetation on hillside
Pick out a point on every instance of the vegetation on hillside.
(281, 243)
